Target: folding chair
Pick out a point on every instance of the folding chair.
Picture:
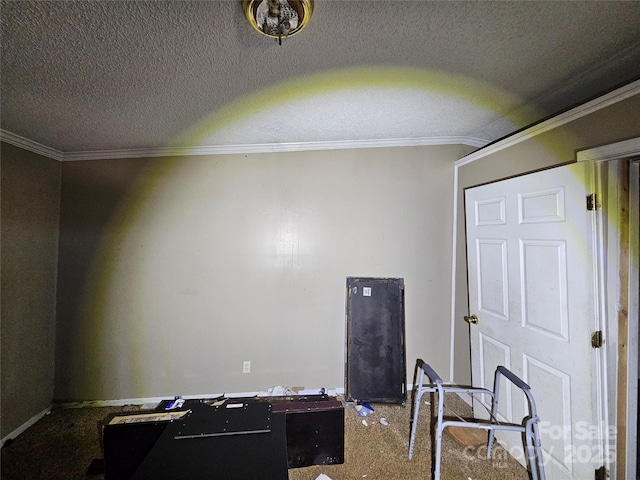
(530, 428)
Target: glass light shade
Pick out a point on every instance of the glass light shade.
(278, 18)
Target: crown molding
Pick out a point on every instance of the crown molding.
(233, 149)
(626, 148)
(484, 148)
(575, 113)
(30, 145)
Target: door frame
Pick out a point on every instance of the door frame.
(457, 244)
(621, 344)
(615, 389)
(632, 415)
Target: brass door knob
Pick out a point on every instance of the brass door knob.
(472, 319)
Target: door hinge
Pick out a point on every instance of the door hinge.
(601, 473)
(592, 201)
(596, 339)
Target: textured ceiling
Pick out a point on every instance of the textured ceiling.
(122, 75)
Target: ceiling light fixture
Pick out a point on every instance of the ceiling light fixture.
(278, 18)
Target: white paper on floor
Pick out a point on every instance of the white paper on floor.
(322, 476)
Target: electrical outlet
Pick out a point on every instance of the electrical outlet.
(246, 366)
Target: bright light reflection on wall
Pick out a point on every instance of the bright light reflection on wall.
(256, 227)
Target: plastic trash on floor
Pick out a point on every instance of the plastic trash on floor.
(364, 409)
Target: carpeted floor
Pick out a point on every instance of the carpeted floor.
(66, 445)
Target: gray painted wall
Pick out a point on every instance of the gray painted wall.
(175, 271)
(30, 200)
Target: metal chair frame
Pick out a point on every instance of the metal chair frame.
(530, 427)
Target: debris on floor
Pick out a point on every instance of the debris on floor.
(364, 409)
(280, 391)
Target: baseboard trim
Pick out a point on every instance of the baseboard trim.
(25, 426)
(150, 400)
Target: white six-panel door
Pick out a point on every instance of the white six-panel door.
(530, 244)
